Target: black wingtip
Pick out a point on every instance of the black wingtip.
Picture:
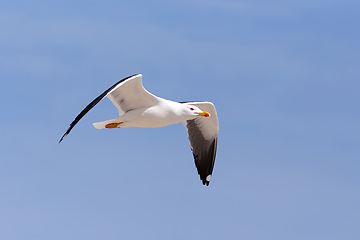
(205, 183)
(65, 134)
(63, 137)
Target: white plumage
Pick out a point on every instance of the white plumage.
(139, 108)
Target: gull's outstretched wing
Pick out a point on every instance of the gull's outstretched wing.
(126, 94)
(203, 133)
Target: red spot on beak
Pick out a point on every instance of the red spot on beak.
(204, 114)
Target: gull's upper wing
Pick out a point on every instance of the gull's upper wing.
(126, 94)
(203, 133)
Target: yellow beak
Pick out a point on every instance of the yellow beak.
(204, 114)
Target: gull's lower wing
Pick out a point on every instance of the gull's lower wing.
(203, 134)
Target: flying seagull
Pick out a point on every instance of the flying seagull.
(139, 108)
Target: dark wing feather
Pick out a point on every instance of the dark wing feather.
(204, 151)
(91, 105)
(203, 132)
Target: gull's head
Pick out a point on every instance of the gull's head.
(195, 111)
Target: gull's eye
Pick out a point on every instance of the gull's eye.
(192, 109)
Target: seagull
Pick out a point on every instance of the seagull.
(139, 108)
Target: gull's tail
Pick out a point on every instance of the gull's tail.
(101, 125)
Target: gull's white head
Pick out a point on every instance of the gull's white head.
(195, 111)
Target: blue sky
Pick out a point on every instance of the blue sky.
(283, 75)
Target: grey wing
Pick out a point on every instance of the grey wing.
(203, 134)
(131, 95)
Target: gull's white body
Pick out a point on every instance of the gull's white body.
(139, 108)
(164, 113)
